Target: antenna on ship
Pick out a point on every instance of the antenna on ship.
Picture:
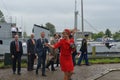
(23, 28)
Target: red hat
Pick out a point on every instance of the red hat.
(67, 31)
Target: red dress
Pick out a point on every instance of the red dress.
(66, 62)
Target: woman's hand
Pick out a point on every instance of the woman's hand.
(13, 56)
(48, 45)
(74, 30)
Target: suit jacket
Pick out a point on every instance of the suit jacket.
(13, 48)
(84, 46)
(31, 48)
(41, 49)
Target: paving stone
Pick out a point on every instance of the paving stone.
(81, 73)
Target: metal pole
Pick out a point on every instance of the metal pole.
(82, 18)
(75, 20)
(75, 23)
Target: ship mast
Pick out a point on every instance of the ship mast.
(76, 13)
(75, 20)
(82, 18)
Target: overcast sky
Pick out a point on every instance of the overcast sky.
(98, 14)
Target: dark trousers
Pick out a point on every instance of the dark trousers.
(57, 61)
(51, 62)
(85, 57)
(73, 57)
(31, 58)
(16, 59)
(41, 60)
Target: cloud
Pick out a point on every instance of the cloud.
(100, 13)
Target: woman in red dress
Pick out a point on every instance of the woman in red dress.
(66, 62)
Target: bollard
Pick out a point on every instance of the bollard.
(93, 51)
(7, 59)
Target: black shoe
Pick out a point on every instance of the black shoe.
(70, 79)
(48, 68)
(87, 64)
(73, 73)
(19, 73)
(44, 75)
(14, 73)
(54, 70)
(79, 64)
(36, 72)
(30, 70)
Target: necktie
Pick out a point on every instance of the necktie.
(17, 47)
(33, 41)
(42, 41)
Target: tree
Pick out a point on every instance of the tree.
(2, 19)
(108, 33)
(24, 34)
(116, 36)
(98, 35)
(94, 36)
(51, 27)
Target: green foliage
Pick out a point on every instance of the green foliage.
(116, 36)
(94, 36)
(91, 60)
(24, 34)
(108, 33)
(1, 64)
(2, 19)
(102, 60)
(23, 65)
(98, 35)
(1, 14)
(51, 27)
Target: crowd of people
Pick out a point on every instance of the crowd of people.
(61, 49)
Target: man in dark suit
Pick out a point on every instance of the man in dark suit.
(84, 51)
(31, 50)
(16, 51)
(41, 52)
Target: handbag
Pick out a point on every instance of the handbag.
(72, 45)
